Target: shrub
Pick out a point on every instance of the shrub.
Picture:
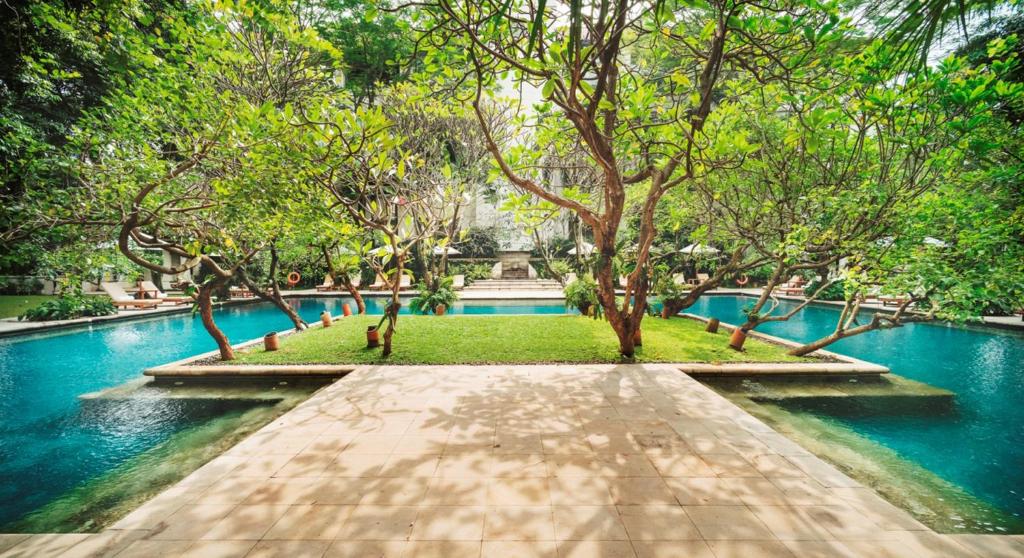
(427, 300)
(20, 286)
(669, 291)
(472, 271)
(479, 242)
(68, 307)
(835, 291)
(581, 294)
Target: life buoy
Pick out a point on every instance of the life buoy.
(293, 278)
(743, 280)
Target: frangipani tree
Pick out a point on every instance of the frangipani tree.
(631, 84)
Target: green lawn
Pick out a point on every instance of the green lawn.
(511, 340)
(11, 306)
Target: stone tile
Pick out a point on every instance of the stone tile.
(595, 549)
(672, 464)
(379, 523)
(310, 522)
(791, 523)
(284, 492)
(367, 549)
(613, 442)
(468, 464)
(588, 523)
(772, 465)
(445, 491)
(927, 544)
(821, 549)
(992, 546)
(730, 465)
(154, 549)
(846, 524)
(519, 523)
(443, 549)
(519, 549)
(640, 491)
(408, 491)
(288, 549)
(106, 543)
(755, 491)
(727, 523)
(246, 522)
(673, 549)
(262, 466)
(229, 490)
(371, 444)
(565, 444)
(9, 540)
(518, 466)
(340, 491)
(306, 464)
(658, 523)
(401, 465)
(449, 523)
(356, 465)
(518, 492)
(703, 492)
(748, 549)
(190, 522)
(44, 546)
(218, 549)
(580, 491)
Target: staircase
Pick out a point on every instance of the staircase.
(514, 285)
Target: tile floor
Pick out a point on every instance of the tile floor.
(559, 461)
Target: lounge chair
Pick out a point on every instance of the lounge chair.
(355, 281)
(701, 277)
(240, 292)
(893, 300)
(680, 279)
(122, 299)
(156, 293)
(379, 284)
(328, 284)
(405, 282)
(458, 282)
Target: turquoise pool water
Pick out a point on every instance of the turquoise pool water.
(50, 441)
(980, 445)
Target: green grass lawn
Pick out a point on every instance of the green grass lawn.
(12, 306)
(509, 340)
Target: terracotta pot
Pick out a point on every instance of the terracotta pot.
(737, 339)
(439, 309)
(372, 337)
(637, 340)
(325, 318)
(712, 326)
(346, 309)
(665, 313)
(270, 341)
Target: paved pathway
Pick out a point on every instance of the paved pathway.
(581, 461)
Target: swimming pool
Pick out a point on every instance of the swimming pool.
(979, 446)
(51, 442)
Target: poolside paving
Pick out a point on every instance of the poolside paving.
(559, 461)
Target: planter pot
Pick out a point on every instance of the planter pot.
(372, 337)
(439, 309)
(637, 339)
(270, 341)
(585, 310)
(346, 310)
(325, 318)
(737, 339)
(712, 326)
(665, 313)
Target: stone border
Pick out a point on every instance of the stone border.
(250, 370)
(846, 365)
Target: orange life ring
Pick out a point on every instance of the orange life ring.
(743, 280)
(293, 278)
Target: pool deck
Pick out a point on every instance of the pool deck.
(573, 460)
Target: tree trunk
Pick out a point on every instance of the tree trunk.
(206, 313)
(392, 311)
(352, 291)
(622, 320)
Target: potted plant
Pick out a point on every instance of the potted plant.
(581, 294)
(435, 300)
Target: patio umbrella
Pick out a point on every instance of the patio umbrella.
(930, 241)
(699, 250)
(438, 250)
(587, 249)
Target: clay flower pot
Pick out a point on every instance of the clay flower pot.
(270, 341)
(665, 313)
(637, 339)
(346, 310)
(372, 337)
(325, 318)
(712, 326)
(439, 309)
(737, 339)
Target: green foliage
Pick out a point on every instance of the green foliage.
(70, 306)
(472, 271)
(581, 295)
(20, 286)
(668, 290)
(835, 291)
(478, 242)
(427, 300)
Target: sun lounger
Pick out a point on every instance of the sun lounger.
(701, 277)
(458, 282)
(240, 292)
(150, 287)
(122, 299)
(893, 300)
(328, 284)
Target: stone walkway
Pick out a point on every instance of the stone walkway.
(580, 461)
